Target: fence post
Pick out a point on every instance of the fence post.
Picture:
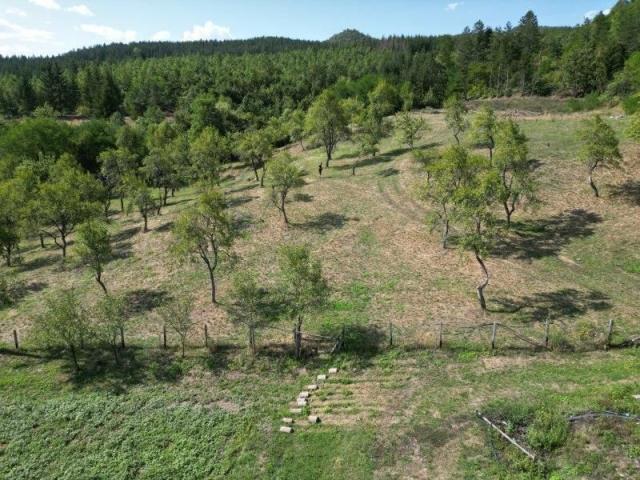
(15, 339)
(440, 335)
(390, 334)
(206, 336)
(164, 336)
(546, 333)
(609, 333)
(494, 330)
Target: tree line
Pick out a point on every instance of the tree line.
(275, 75)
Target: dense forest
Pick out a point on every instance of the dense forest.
(255, 80)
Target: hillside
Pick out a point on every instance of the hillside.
(405, 410)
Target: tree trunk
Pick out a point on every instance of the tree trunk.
(63, 237)
(74, 357)
(8, 256)
(455, 135)
(329, 152)
(41, 240)
(509, 211)
(482, 286)
(593, 185)
(445, 234)
(353, 168)
(213, 285)
(301, 145)
(183, 342)
(122, 338)
(99, 280)
(298, 338)
(164, 198)
(491, 155)
(145, 229)
(262, 175)
(121, 203)
(283, 209)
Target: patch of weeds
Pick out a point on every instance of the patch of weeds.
(547, 431)
(367, 238)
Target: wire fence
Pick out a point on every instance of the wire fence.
(538, 336)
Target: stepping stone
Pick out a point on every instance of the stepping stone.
(297, 411)
(313, 419)
(322, 376)
(301, 402)
(303, 395)
(286, 429)
(312, 387)
(333, 370)
(287, 420)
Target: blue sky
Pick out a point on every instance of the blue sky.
(44, 27)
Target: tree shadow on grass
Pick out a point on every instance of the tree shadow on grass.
(546, 237)
(628, 192)
(302, 197)
(126, 234)
(388, 172)
(144, 300)
(165, 227)
(324, 222)
(559, 305)
(251, 186)
(365, 162)
(40, 262)
(237, 201)
(136, 365)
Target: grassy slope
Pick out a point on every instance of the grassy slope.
(574, 260)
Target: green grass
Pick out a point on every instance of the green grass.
(399, 413)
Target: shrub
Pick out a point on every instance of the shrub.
(631, 104)
(548, 431)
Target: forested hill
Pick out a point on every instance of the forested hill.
(115, 52)
(249, 82)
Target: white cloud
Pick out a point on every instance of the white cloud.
(15, 11)
(208, 31)
(110, 34)
(48, 4)
(81, 10)
(591, 14)
(18, 40)
(160, 36)
(12, 31)
(453, 6)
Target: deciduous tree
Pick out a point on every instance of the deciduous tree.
(327, 122)
(455, 116)
(94, 247)
(599, 148)
(284, 176)
(205, 233)
(302, 287)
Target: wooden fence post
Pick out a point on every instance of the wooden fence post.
(15, 339)
(390, 334)
(164, 336)
(440, 335)
(609, 333)
(494, 330)
(546, 333)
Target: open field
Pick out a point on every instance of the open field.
(398, 413)
(574, 259)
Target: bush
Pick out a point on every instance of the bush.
(587, 103)
(548, 431)
(631, 104)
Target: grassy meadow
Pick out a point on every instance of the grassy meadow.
(404, 412)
